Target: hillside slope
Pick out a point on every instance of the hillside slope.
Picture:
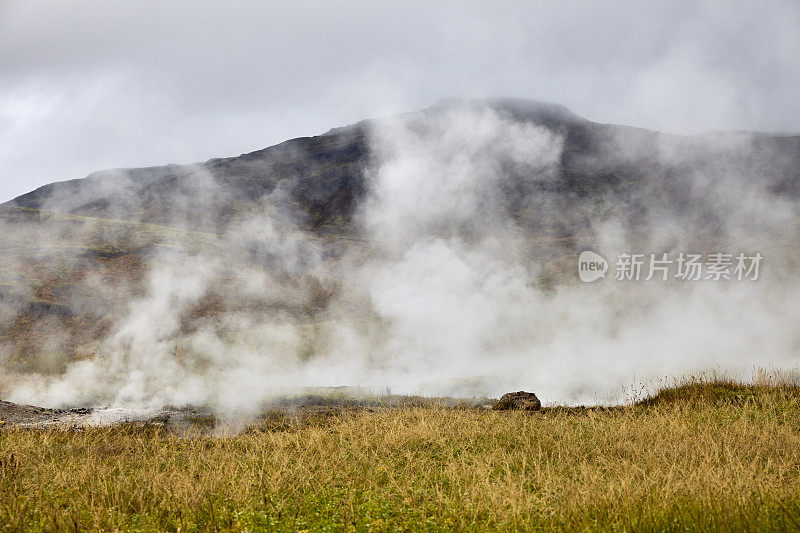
(297, 216)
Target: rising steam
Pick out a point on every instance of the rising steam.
(446, 286)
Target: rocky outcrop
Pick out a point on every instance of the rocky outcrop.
(518, 401)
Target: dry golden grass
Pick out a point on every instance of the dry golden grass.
(701, 456)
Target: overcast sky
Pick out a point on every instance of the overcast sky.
(99, 84)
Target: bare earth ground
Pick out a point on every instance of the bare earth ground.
(297, 408)
(32, 417)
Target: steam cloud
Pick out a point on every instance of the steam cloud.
(443, 291)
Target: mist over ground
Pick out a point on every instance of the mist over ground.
(431, 253)
(426, 248)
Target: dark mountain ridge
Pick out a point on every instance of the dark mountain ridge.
(325, 175)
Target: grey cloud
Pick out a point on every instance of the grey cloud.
(111, 84)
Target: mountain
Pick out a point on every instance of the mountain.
(324, 175)
(77, 253)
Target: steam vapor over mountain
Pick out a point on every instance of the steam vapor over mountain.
(431, 252)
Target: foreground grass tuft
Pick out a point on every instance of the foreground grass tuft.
(714, 455)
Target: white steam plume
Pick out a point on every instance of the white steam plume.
(443, 294)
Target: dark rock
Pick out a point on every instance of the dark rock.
(518, 401)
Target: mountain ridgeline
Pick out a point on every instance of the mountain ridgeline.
(325, 177)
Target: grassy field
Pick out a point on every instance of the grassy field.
(699, 456)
